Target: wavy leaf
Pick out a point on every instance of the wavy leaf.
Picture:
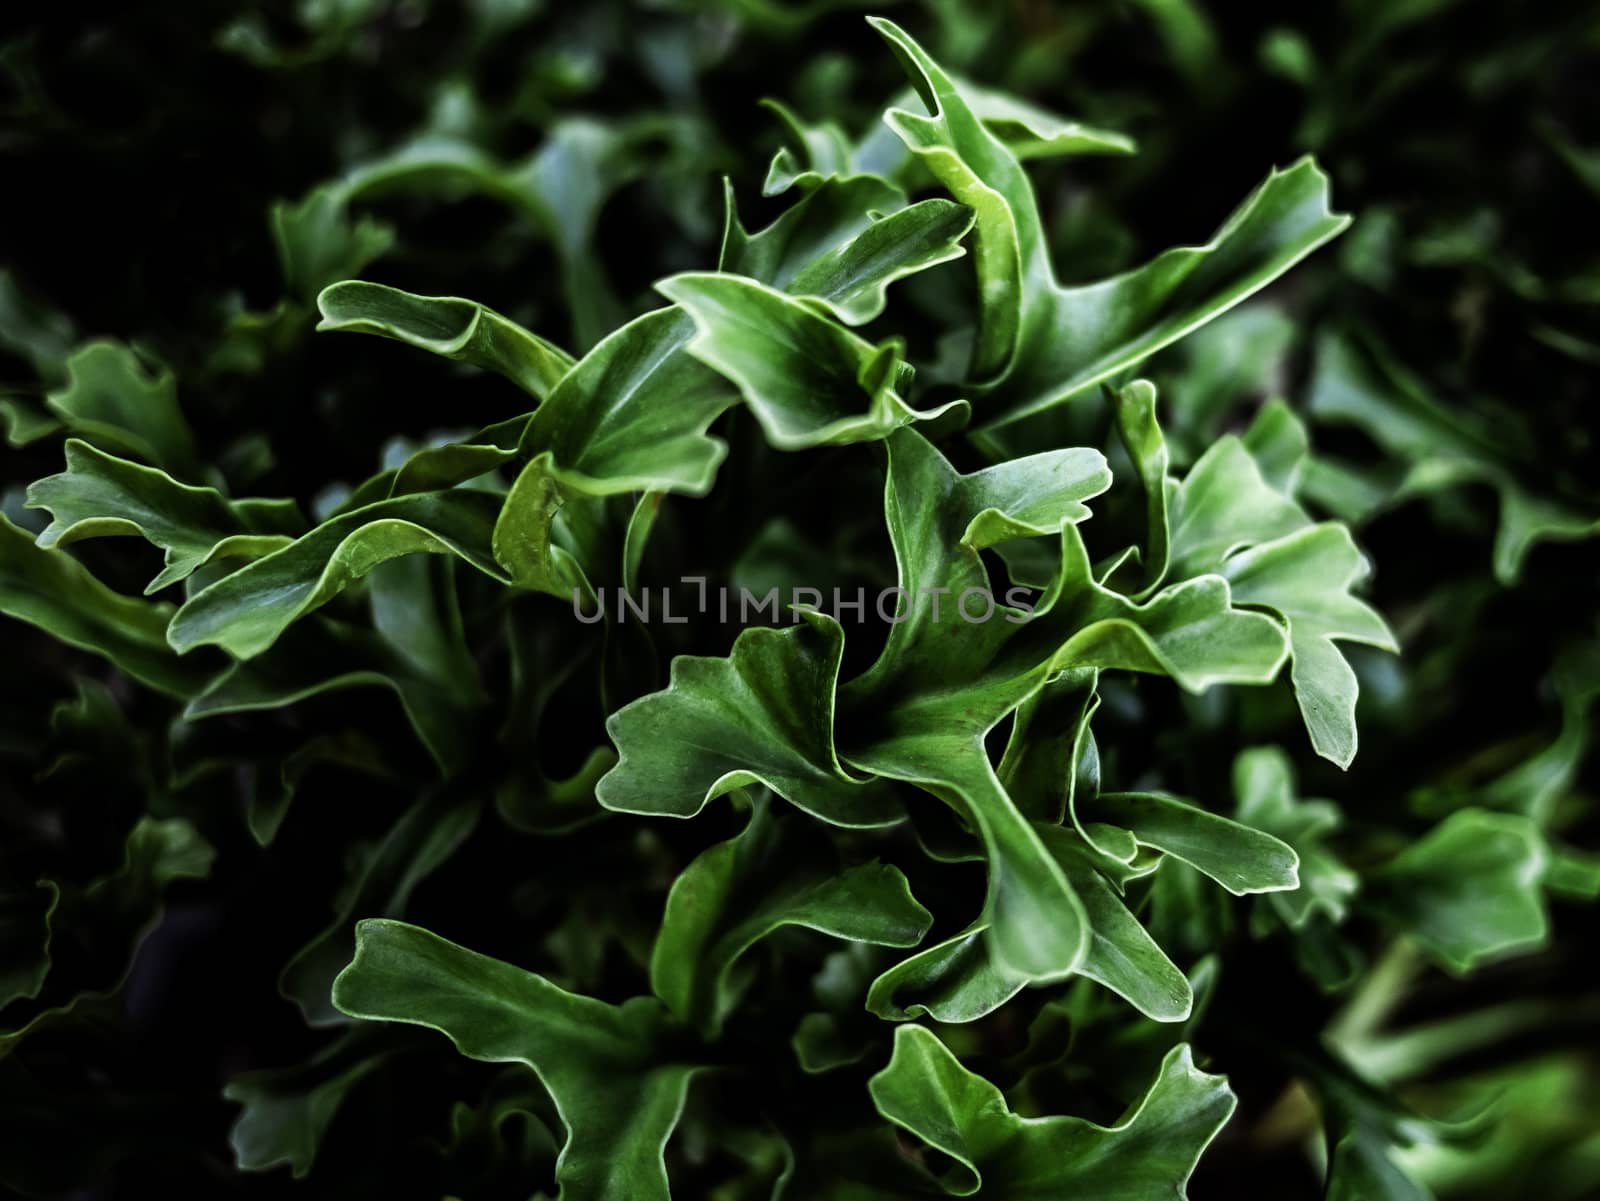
(618, 1092)
(764, 715)
(286, 1112)
(53, 591)
(1226, 518)
(420, 840)
(740, 891)
(837, 246)
(1469, 890)
(1263, 783)
(1440, 448)
(1039, 343)
(100, 495)
(1151, 1152)
(246, 612)
(111, 398)
(1241, 859)
(449, 326)
(805, 377)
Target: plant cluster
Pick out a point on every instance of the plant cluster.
(329, 730)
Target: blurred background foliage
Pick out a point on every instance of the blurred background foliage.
(182, 179)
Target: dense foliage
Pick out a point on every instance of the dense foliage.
(1030, 854)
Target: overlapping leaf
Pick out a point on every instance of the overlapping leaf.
(615, 1084)
(1038, 343)
(992, 1152)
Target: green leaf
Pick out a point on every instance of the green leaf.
(113, 915)
(26, 915)
(1030, 132)
(835, 245)
(112, 399)
(631, 416)
(1051, 752)
(1241, 859)
(1263, 784)
(245, 612)
(1469, 890)
(806, 378)
(1039, 343)
(920, 714)
(956, 980)
(1441, 448)
(1226, 518)
(1135, 411)
(287, 1111)
(1120, 953)
(615, 1085)
(318, 241)
(420, 840)
(743, 890)
(33, 330)
(1191, 631)
(51, 590)
(449, 326)
(764, 715)
(819, 154)
(1151, 1152)
(100, 495)
(323, 657)
(1306, 579)
(523, 537)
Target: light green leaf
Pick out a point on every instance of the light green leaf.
(245, 612)
(631, 416)
(1039, 343)
(616, 1088)
(449, 326)
(956, 980)
(1032, 132)
(837, 246)
(1120, 953)
(808, 380)
(1135, 410)
(1240, 858)
(1191, 631)
(1306, 579)
(1150, 1153)
(1226, 518)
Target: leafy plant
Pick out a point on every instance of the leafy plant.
(826, 715)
